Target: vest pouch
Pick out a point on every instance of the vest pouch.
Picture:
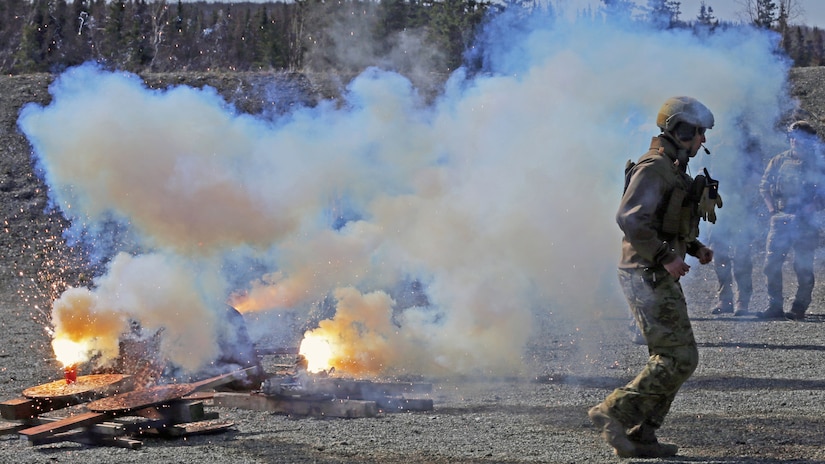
(689, 223)
(672, 219)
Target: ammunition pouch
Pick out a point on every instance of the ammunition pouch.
(672, 219)
(697, 187)
(681, 218)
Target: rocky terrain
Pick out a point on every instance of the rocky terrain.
(757, 397)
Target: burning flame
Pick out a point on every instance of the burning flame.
(70, 352)
(317, 350)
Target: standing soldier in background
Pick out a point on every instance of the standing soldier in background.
(733, 238)
(790, 189)
(659, 215)
(732, 242)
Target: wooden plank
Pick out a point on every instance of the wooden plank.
(103, 428)
(86, 387)
(404, 404)
(199, 396)
(204, 427)
(157, 395)
(86, 437)
(175, 412)
(50, 428)
(366, 389)
(26, 408)
(296, 406)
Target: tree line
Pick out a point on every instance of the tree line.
(301, 35)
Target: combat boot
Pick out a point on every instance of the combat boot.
(741, 310)
(647, 445)
(723, 308)
(797, 312)
(612, 430)
(773, 312)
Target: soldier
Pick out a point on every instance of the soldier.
(734, 238)
(659, 214)
(789, 188)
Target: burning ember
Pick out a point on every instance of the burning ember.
(317, 351)
(70, 373)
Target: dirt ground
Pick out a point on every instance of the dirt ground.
(758, 395)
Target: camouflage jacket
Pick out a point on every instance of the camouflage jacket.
(659, 218)
(791, 181)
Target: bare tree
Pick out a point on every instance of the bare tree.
(765, 13)
(160, 13)
(793, 10)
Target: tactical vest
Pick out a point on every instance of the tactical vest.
(680, 216)
(788, 191)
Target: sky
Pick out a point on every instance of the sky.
(729, 10)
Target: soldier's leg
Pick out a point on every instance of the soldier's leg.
(662, 314)
(724, 292)
(777, 247)
(743, 274)
(803, 264)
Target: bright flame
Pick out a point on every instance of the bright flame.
(318, 352)
(70, 352)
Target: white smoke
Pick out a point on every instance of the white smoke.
(499, 197)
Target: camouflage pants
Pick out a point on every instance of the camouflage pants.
(658, 305)
(788, 233)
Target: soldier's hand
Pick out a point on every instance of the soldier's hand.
(705, 255)
(677, 268)
(707, 206)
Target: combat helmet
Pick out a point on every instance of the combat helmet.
(683, 109)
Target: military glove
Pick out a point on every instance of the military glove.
(708, 205)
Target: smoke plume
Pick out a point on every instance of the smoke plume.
(498, 198)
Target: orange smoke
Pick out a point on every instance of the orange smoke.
(82, 329)
(360, 339)
(271, 292)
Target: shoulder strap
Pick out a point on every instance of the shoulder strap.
(628, 167)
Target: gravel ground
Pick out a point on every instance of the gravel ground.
(758, 395)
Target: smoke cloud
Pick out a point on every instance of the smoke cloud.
(498, 197)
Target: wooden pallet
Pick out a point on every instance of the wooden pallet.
(335, 397)
(179, 418)
(169, 411)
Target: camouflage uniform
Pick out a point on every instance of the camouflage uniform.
(734, 239)
(660, 222)
(789, 184)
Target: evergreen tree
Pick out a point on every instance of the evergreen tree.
(663, 14)
(766, 14)
(705, 17)
(34, 44)
(113, 33)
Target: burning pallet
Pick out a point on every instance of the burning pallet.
(109, 419)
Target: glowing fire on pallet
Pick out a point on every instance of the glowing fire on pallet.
(317, 351)
(69, 354)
